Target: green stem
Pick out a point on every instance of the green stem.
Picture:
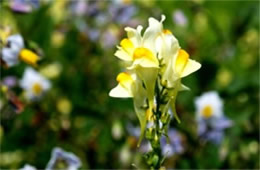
(155, 156)
(157, 147)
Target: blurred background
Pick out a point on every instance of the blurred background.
(77, 41)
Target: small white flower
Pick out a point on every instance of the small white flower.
(117, 130)
(209, 105)
(14, 51)
(125, 155)
(28, 167)
(34, 84)
(10, 53)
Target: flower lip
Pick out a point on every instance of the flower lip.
(142, 52)
(127, 45)
(123, 77)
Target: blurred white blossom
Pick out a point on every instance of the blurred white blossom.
(34, 84)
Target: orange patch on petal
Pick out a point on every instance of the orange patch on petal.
(122, 77)
(182, 60)
(166, 31)
(143, 53)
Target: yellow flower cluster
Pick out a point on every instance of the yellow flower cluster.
(154, 60)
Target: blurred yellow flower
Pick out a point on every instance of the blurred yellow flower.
(57, 39)
(29, 57)
(224, 77)
(52, 70)
(64, 106)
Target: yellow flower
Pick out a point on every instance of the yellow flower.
(29, 57)
(151, 56)
(124, 89)
(140, 52)
(176, 61)
(137, 49)
(52, 70)
(184, 66)
(64, 106)
(130, 86)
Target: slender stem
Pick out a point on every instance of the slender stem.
(157, 147)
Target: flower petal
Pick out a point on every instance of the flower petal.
(152, 32)
(190, 67)
(123, 55)
(134, 35)
(120, 92)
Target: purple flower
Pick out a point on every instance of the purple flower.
(24, 6)
(133, 131)
(78, 8)
(10, 81)
(145, 147)
(122, 13)
(221, 123)
(179, 18)
(93, 34)
(174, 146)
(72, 162)
(214, 136)
(213, 129)
(108, 39)
(168, 149)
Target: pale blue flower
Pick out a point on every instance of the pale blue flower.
(179, 18)
(175, 143)
(168, 149)
(210, 117)
(122, 13)
(213, 129)
(28, 167)
(78, 8)
(10, 81)
(59, 155)
(10, 53)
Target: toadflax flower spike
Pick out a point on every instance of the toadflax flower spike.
(156, 64)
